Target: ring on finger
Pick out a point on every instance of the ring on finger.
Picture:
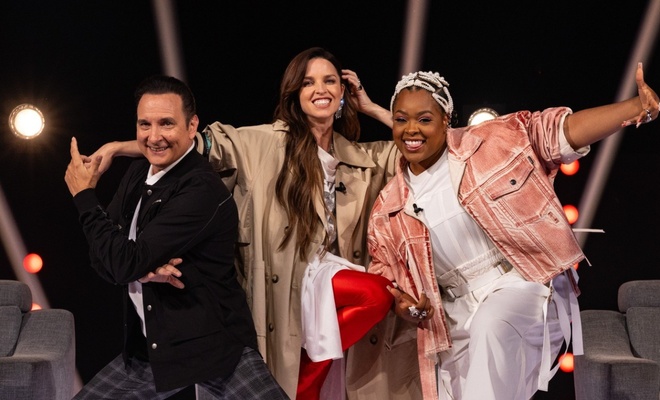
(648, 115)
(359, 85)
(414, 312)
(423, 314)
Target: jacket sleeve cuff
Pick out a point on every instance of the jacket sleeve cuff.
(85, 200)
(568, 154)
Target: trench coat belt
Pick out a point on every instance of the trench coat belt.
(498, 269)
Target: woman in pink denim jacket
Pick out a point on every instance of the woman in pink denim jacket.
(475, 241)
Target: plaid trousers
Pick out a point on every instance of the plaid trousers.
(250, 380)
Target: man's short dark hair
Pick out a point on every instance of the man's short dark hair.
(162, 84)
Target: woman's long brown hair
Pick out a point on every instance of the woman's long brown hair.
(301, 176)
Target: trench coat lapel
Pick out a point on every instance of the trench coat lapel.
(319, 206)
(350, 203)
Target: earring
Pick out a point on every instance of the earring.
(341, 106)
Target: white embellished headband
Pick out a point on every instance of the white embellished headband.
(430, 81)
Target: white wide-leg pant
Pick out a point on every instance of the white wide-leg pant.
(497, 333)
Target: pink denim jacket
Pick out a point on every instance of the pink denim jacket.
(503, 172)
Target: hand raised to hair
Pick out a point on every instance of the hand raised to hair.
(403, 301)
(356, 89)
(168, 273)
(365, 105)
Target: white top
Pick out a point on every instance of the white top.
(456, 238)
(329, 165)
(320, 328)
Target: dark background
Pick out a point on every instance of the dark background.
(79, 62)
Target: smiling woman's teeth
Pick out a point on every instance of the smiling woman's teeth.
(322, 102)
(413, 144)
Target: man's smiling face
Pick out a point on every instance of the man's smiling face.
(163, 134)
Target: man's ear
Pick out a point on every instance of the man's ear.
(193, 125)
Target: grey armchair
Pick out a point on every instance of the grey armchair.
(622, 348)
(37, 348)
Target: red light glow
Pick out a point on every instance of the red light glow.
(570, 169)
(33, 263)
(571, 213)
(566, 362)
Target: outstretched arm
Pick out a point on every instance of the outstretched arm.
(111, 150)
(593, 124)
(366, 106)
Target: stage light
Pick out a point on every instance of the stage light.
(33, 263)
(481, 115)
(567, 362)
(26, 121)
(571, 213)
(570, 169)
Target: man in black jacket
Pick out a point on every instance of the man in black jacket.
(184, 325)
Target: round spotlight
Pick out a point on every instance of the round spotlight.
(26, 121)
(481, 115)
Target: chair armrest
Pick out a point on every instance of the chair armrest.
(43, 364)
(45, 333)
(608, 369)
(28, 377)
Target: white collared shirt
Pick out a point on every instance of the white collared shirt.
(135, 287)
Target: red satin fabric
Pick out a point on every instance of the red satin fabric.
(362, 300)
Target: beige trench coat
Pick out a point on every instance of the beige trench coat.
(249, 159)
